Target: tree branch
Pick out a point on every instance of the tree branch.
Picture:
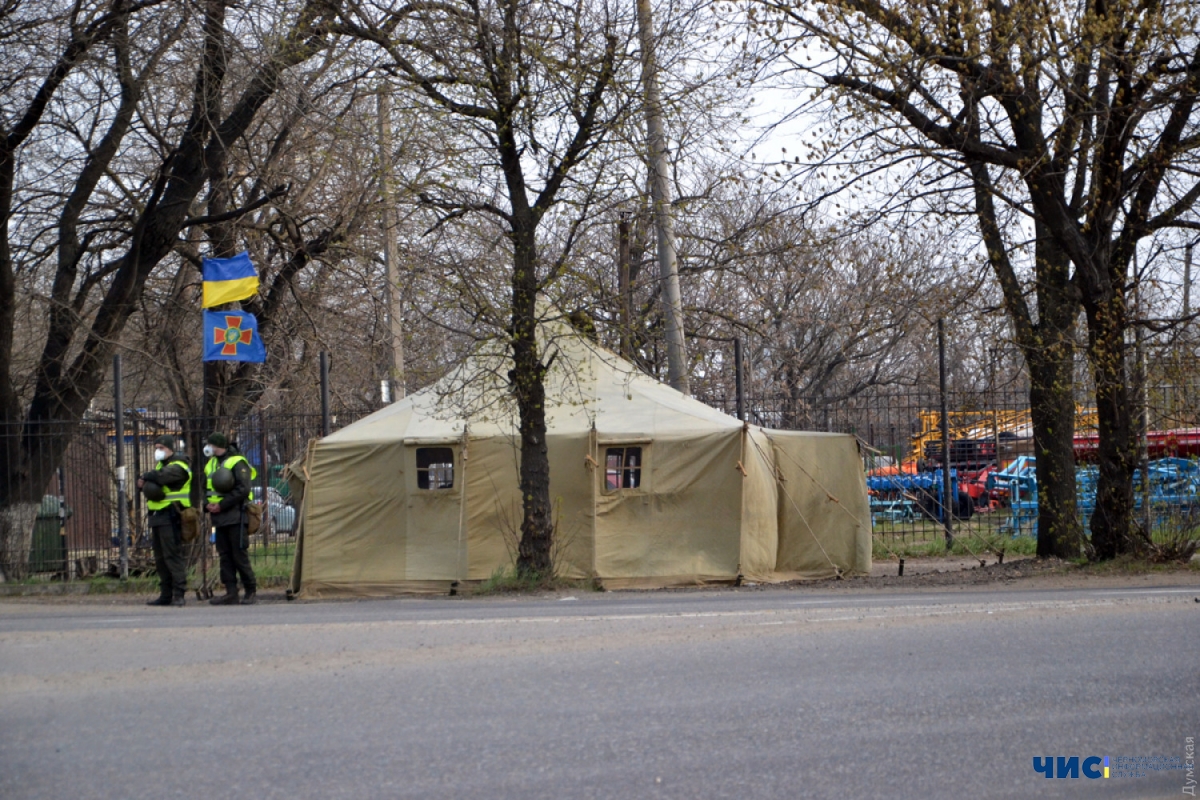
(212, 219)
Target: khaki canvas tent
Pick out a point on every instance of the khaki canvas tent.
(650, 488)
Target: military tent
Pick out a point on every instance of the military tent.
(650, 488)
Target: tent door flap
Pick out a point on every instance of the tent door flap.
(433, 476)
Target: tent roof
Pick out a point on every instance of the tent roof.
(586, 382)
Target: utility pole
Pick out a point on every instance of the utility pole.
(739, 380)
(660, 195)
(1143, 400)
(326, 414)
(395, 359)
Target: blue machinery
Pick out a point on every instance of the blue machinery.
(1020, 479)
(1174, 488)
(899, 498)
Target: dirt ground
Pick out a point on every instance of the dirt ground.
(1015, 572)
(1020, 572)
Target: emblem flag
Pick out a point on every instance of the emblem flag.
(232, 336)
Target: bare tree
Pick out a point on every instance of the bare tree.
(1081, 119)
(119, 202)
(527, 92)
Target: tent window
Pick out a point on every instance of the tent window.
(622, 468)
(435, 468)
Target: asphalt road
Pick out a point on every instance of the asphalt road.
(751, 694)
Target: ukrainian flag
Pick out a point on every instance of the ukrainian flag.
(228, 279)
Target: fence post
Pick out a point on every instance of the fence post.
(326, 425)
(136, 500)
(947, 500)
(119, 425)
(62, 522)
(266, 480)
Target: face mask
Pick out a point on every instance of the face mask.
(208, 451)
(160, 455)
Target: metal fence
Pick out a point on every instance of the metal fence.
(76, 531)
(993, 486)
(993, 490)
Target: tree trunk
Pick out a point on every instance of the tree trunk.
(1050, 357)
(1052, 408)
(527, 380)
(1117, 450)
(1048, 346)
(30, 453)
(16, 538)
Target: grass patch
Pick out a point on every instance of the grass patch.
(96, 584)
(271, 564)
(272, 561)
(506, 580)
(968, 541)
(134, 584)
(35, 580)
(1134, 565)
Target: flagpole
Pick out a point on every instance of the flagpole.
(204, 398)
(205, 430)
(225, 281)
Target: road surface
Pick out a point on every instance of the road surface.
(725, 694)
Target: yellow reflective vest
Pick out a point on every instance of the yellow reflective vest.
(182, 495)
(228, 463)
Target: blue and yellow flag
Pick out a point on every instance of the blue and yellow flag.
(232, 336)
(228, 279)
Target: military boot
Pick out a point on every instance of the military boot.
(230, 598)
(177, 600)
(250, 598)
(161, 600)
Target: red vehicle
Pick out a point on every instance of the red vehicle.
(1178, 442)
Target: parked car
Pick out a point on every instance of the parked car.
(280, 515)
